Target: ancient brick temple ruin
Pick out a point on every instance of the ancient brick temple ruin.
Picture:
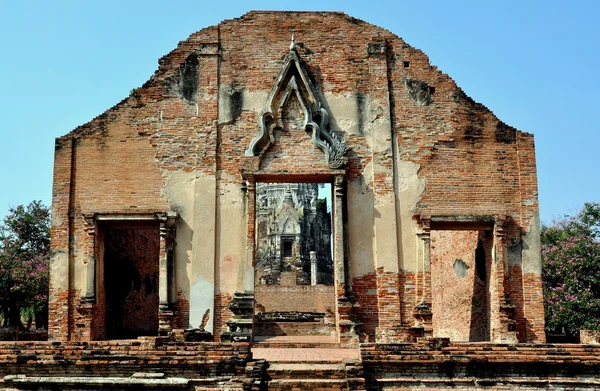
(298, 173)
(174, 207)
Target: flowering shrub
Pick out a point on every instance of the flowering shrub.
(24, 249)
(571, 271)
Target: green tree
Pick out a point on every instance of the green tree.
(24, 254)
(571, 261)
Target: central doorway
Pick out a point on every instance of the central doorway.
(294, 275)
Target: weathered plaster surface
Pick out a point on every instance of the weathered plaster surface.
(59, 270)
(229, 98)
(386, 246)
(192, 195)
(360, 225)
(410, 189)
(231, 224)
(345, 111)
(514, 254)
(78, 267)
(531, 254)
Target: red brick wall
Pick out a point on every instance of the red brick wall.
(478, 366)
(365, 292)
(301, 298)
(222, 315)
(460, 298)
(123, 358)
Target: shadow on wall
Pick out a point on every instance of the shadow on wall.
(182, 253)
(480, 305)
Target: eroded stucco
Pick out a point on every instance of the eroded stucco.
(360, 225)
(531, 247)
(231, 243)
(346, 112)
(232, 101)
(410, 188)
(59, 270)
(192, 196)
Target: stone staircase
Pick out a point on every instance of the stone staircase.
(307, 376)
(310, 366)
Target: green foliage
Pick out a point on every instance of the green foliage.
(24, 251)
(571, 260)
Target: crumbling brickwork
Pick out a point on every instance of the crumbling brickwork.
(218, 366)
(406, 151)
(157, 363)
(300, 298)
(460, 270)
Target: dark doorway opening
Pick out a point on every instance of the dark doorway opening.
(131, 255)
(287, 247)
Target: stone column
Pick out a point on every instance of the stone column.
(502, 324)
(345, 325)
(313, 268)
(166, 311)
(422, 311)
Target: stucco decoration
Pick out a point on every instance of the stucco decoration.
(293, 81)
(419, 92)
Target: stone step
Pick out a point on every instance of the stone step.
(308, 384)
(487, 353)
(305, 355)
(288, 328)
(288, 371)
(297, 345)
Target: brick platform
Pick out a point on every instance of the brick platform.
(432, 364)
(68, 365)
(480, 365)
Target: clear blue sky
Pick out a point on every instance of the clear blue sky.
(535, 64)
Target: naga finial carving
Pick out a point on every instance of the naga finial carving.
(293, 79)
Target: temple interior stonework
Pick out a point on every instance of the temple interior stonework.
(306, 176)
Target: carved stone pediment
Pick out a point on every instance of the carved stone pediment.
(293, 85)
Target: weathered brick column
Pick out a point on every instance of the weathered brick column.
(344, 306)
(531, 267)
(87, 300)
(88, 294)
(501, 310)
(383, 183)
(240, 325)
(166, 310)
(251, 235)
(58, 298)
(422, 311)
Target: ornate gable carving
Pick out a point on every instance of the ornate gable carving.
(293, 84)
